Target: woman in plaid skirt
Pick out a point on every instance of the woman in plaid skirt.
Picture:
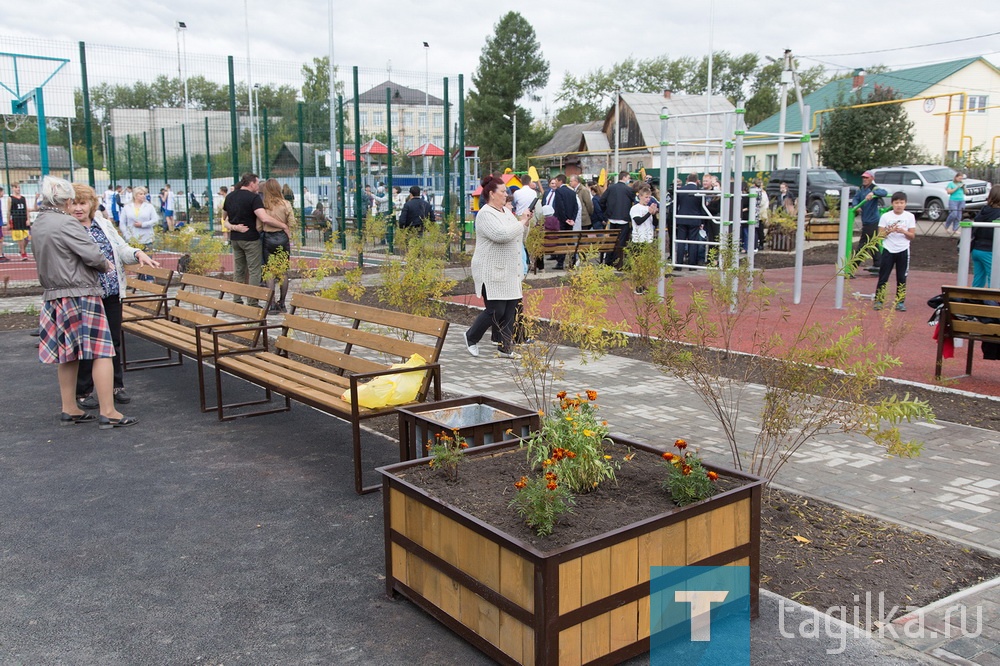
(72, 323)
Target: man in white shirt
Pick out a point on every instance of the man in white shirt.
(524, 196)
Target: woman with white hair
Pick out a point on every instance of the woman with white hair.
(138, 219)
(72, 324)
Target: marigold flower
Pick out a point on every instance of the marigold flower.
(668, 456)
(569, 418)
(463, 445)
(550, 476)
(713, 476)
(561, 395)
(510, 431)
(681, 444)
(629, 456)
(588, 433)
(541, 413)
(547, 462)
(522, 483)
(570, 454)
(591, 395)
(551, 485)
(604, 423)
(607, 457)
(686, 470)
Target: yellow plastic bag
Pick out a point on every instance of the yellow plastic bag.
(391, 389)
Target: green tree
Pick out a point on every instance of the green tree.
(509, 68)
(857, 139)
(316, 95)
(765, 90)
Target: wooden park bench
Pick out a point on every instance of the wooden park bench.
(968, 313)
(325, 348)
(145, 298)
(182, 324)
(588, 241)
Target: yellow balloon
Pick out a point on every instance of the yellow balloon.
(507, 170)
(602, 178)
(533, 172)
(642, 173)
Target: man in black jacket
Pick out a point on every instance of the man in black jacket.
(563, 200)
(617, 201)
(690, 214)
(415, 211)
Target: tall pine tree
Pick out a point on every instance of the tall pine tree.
(511, 66)
(859, 139)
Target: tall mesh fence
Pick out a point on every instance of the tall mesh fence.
(195, 122)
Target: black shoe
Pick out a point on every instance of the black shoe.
(73, 419)
(87, 402)
(121, 397)
(36, 332)
(104, 423)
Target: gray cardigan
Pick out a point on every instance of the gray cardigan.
(497, 259)
(68, 258)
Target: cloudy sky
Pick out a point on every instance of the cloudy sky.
(574, 37)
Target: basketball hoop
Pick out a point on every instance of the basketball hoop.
(14, 121)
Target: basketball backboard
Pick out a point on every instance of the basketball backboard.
(20, 74)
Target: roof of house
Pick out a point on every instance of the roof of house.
(648, 106)
(292, 147)
(27, 156)
(400, 95)
(567, 138)
(595, 140)
(905, 82)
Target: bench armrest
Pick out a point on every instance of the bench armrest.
(217, 330)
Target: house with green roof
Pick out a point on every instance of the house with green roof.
(949, 104)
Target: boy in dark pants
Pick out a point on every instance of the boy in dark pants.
(897, 228)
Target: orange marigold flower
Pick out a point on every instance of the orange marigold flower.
(463, 445)
(713, 476)
(570, 454)
(551, 485)
(668, 456)
(604, 423)
(541, 413)
(681, 444)
(550, 476)
(522, 483)
(629, 456)
(547, 462)
(686, 470)
(591, 395)
(510, 431)
(561, 395)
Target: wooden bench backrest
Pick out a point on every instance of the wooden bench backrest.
(346, 338)
(139, 289)
(598, 240)
(560, 242)
(971, 302)
(187, 302)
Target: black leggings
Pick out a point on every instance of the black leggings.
(497, 313)
(84, 373)
(890, 260)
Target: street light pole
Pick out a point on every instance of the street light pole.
(513, 142)
(182, 47)
(786, 78)
(254, 160)
(427, 104)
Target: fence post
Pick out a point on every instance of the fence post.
(391, 219)
(145, 158)
(358, 214)
(232, 123)
(447, 157)
(6, 161)
(267, 162)
(208, 180)
(114, 162)
(86, 116)
(302, 175)
(128, 158)
(461, 159)
(187, 176)
(342, 190)
(163, 149)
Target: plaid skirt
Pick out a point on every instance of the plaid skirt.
(74, 328)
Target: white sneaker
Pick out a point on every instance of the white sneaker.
(510, 354)
(473, 349)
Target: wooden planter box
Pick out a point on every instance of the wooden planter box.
(582, 604)
(823, 231)
(479, 419)
(781, 241)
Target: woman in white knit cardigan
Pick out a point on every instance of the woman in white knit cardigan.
(497, 266)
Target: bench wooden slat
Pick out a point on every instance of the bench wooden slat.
(299, 373)
(400, 349)
(226, 286)
(416, 323)
(309, 370)
(333, 357)
(219, 305)
(960, 327)
(974, 309)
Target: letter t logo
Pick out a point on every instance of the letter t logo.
(701, 610)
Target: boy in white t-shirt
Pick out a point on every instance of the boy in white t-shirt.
(643, 219)
(897, 228)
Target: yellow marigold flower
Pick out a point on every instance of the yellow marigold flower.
(569, 418)
(607, 457)
(686, 470)
(541, 413)
(547, 462)
(510, 431)
(588, 433)
(591, 395)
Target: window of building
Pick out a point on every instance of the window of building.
(422, 118)
(408, 120)
(628, 167)
(438, 120)
(410, 143)
(377, 118)
(770, 162)
(623, 136)
(749, 162)
(796, 159)
(638, 165)
(364, 118)
(977, 103)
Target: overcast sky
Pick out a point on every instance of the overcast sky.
(574, 37)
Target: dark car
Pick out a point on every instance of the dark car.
(820, 183)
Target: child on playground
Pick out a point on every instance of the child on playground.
(643, 218)
(897, 228)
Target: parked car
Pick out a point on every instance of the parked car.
(924, 185)
(820, 183)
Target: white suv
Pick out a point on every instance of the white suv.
(924, 186)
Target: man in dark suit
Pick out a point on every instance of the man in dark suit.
(617, 201)
(690, 216)
(563, 200)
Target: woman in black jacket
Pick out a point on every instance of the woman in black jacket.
(982, 240)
